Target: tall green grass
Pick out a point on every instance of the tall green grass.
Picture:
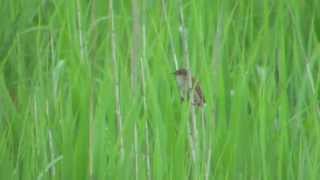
(257, 61)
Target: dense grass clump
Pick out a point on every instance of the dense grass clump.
(87, 89)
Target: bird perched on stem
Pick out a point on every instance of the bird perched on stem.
(182, 76)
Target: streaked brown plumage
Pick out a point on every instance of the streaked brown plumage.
(182, 79)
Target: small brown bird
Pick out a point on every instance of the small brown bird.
(182, 76)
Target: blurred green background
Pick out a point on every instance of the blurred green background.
(257, 62)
